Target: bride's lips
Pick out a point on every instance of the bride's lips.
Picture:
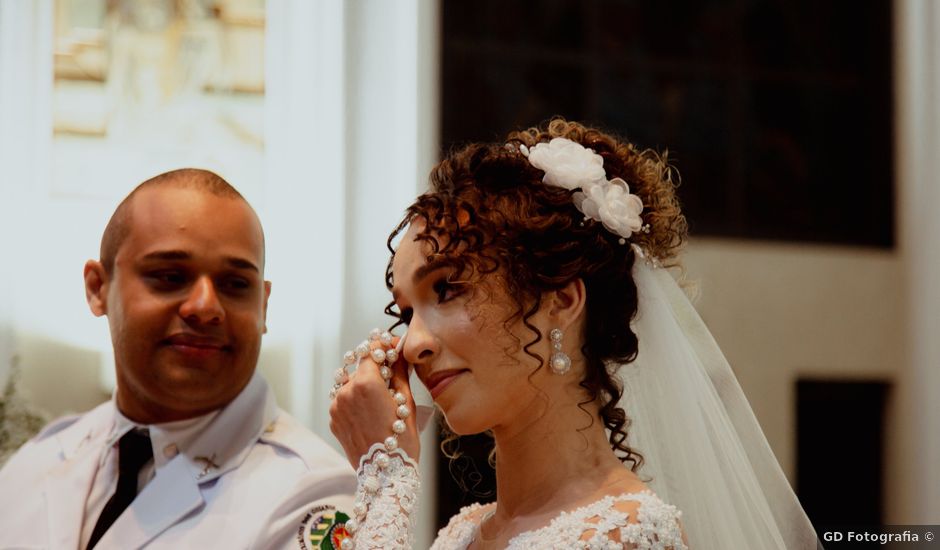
(439, 381)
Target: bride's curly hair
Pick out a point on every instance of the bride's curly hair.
(496, 215)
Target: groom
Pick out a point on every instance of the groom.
(192, 451)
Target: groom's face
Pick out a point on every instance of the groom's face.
(186, 303)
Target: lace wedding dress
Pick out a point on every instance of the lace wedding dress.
(387, 494)
(604, 524)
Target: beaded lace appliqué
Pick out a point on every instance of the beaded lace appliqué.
(386, 498)
(655, 527)
(460, 530)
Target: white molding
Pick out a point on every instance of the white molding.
(915, 451)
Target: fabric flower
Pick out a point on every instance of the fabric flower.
(570, 165)
(567, 164)
(611, 203)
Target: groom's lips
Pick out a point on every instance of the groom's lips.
(197, 346)
(439, 381)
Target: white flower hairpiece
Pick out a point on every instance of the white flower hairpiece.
(570, 165)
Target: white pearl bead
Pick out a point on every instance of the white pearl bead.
(386, 338)
(349, 358)
(391, 443)
(362, 350)
(386, 373)
(403, 411)
(381, 460)
(371, 484)
(347, 544)
(352, 526)
(555, 335)
(340, 376)
(374, 334)
(560, 363)
(391, 355)
(400, 398)
(398, 427)
(359, 509)
(378, 355)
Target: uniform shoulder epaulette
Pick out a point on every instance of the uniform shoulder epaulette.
(289, 434)
(56, 426)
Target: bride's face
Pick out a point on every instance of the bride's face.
(470, 361)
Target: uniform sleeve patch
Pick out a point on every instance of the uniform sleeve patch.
(323, 528)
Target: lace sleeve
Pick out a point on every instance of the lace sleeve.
(386, 498)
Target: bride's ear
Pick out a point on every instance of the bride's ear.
(567, 304)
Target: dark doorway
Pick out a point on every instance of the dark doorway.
(840, 457)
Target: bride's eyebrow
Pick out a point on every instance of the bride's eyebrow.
(424, 272)
(429, 268)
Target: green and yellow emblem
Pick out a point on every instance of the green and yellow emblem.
(327, 529)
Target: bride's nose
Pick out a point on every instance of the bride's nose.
(421, 347)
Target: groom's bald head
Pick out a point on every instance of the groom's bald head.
(185, 178)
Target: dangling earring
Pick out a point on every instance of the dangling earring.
(559, 362)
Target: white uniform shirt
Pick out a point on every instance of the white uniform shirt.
(166, 439)
(246, 476)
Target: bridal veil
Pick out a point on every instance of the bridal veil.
(702, 444)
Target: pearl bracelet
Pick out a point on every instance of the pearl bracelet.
(384, 359)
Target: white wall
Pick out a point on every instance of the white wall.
(785, 311)
(6, 245)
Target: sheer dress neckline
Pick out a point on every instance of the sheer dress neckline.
(580, 511)
(654, 524)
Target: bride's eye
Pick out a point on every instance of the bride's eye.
(445, 291)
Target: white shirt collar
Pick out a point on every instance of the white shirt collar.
(168, 438)
(216, 441)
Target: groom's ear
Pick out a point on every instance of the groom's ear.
(567, 304)
(97, 281)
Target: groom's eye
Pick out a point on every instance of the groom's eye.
(166, 279)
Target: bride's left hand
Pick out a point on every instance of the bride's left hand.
(363, 410)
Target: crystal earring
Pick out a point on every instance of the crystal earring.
(559, 362)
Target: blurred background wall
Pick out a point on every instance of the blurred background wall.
(806, 135)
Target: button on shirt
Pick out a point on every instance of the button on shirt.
(168, 440)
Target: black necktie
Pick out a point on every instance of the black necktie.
(134, 451)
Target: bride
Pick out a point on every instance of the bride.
(533, 281)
